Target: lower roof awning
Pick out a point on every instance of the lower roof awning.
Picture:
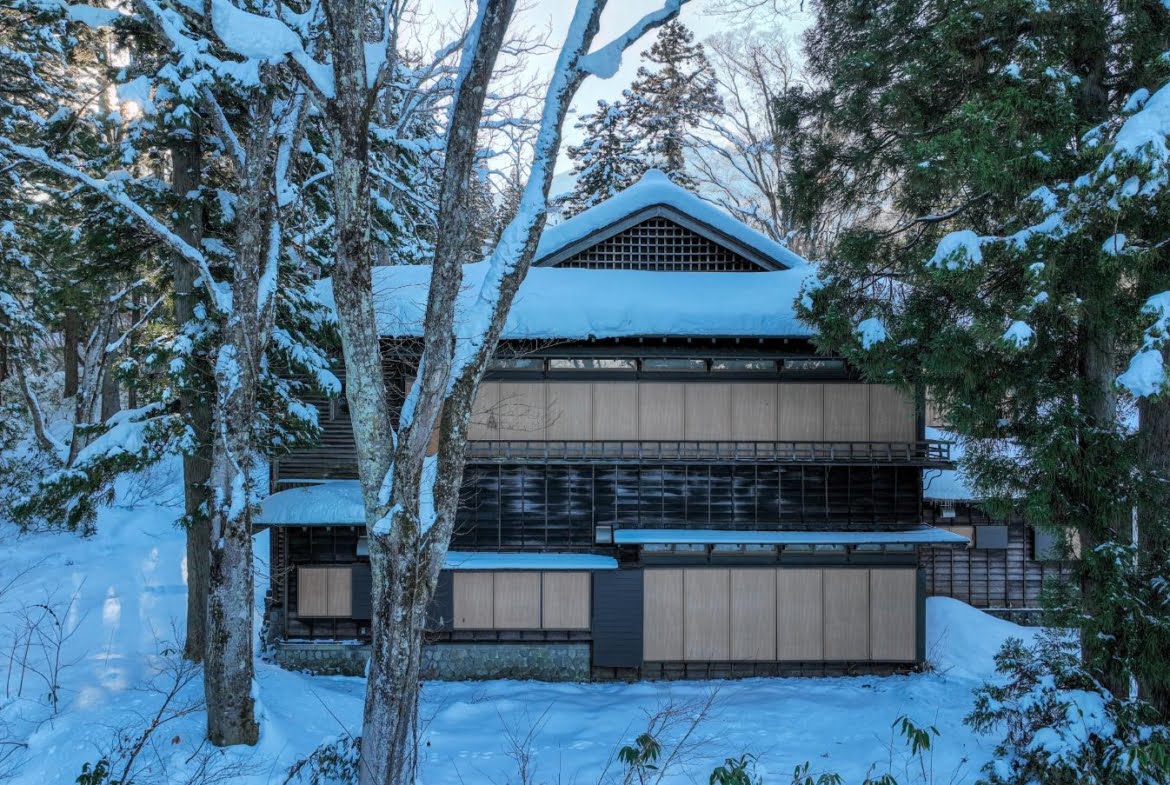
(484, 560)
(923, 536)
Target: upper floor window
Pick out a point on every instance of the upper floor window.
(744, 366)
(592, 364)
(674, 364)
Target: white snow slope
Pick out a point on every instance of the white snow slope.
(128, 581)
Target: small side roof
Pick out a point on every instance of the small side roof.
(656, 196)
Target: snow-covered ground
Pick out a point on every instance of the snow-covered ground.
(121, 596)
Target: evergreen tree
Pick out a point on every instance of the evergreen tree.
(667, 101)
(989, 267)
(608, 161)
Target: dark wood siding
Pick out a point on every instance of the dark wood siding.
(617, 618)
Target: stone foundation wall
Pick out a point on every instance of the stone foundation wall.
(544, 661)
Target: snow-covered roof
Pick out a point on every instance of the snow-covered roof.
(332, 502)
(570, 303)
(482, 560)
(654, 195)
(923, 536)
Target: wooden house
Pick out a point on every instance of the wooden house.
(664, 479)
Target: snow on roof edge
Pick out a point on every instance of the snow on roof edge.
(927, 536)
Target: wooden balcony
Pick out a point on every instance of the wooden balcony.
(929, 453)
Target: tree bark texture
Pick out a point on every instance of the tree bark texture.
(186, 181)
(71, 339)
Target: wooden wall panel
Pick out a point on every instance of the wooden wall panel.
(708, 411)
(340, 581)
(893, 614)
(847, 412)
(615, 411)
(564, 601)
(660, 411)
(753, 412)
(753, 614)
(846, 603)
(800, 412)
(485, 416)
(891, 415)
(706, 615)
(474, 600)
(517, 601)
(570, 411)
(312, 592)
(799, 615)
(662, 616)
(522, 411)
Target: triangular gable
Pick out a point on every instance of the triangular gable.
(661, 217)
(658, 239)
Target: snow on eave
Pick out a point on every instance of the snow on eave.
(486, 560)
(656, 196)
(556, 303)
(329, 503)
(923, 536)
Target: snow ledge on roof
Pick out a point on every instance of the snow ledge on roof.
(927, 536)
(483, 560)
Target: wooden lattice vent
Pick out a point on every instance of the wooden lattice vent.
(660, 244)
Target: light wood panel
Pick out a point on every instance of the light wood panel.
(522, 411)
(473, 600)
(570, 410)
(660, 411)
(662, 615)
(800, 614)
(891, 415)
(847, 412)
(517, 601)
(615, 410)
(753, 412)
(753, 614)
(846, 604)
(324, 592)
(893, 614)
(800, 412)
(485, 417)
(708, 411)
(706, 614)
(564, 601)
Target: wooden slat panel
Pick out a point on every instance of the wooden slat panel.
(313, 591)
(340, 581)
(847, 412)
(485, 416)
(615, 410)
(800, 412)
(570, 410)
(660, 411)
(891, 415)
(799, 615)
(753, 614)
(706, 613)
(846, 593)
(517, 601)
(893, 615)
(522, 411)
(564, 601)
(708, 411)
(473, 600)
(753, 411)
(662, 616)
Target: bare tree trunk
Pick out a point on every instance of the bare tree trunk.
(71, 338)
(229, 667)
(111, 395)
(1154, 527)
(186, 170)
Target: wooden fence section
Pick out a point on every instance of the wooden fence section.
(712, 614)
(521, 600)
(692, 411)
(994, 578)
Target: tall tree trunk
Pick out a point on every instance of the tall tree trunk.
(71, 338)
(194, 399)
(1154, 530)
(111, 394)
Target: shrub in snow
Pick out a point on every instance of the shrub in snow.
(1060, 726)
(334, 762)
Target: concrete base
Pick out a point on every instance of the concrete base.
(543, 661)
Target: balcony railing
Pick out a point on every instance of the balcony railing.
(930, 453)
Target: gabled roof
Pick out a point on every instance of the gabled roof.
(655, 196)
